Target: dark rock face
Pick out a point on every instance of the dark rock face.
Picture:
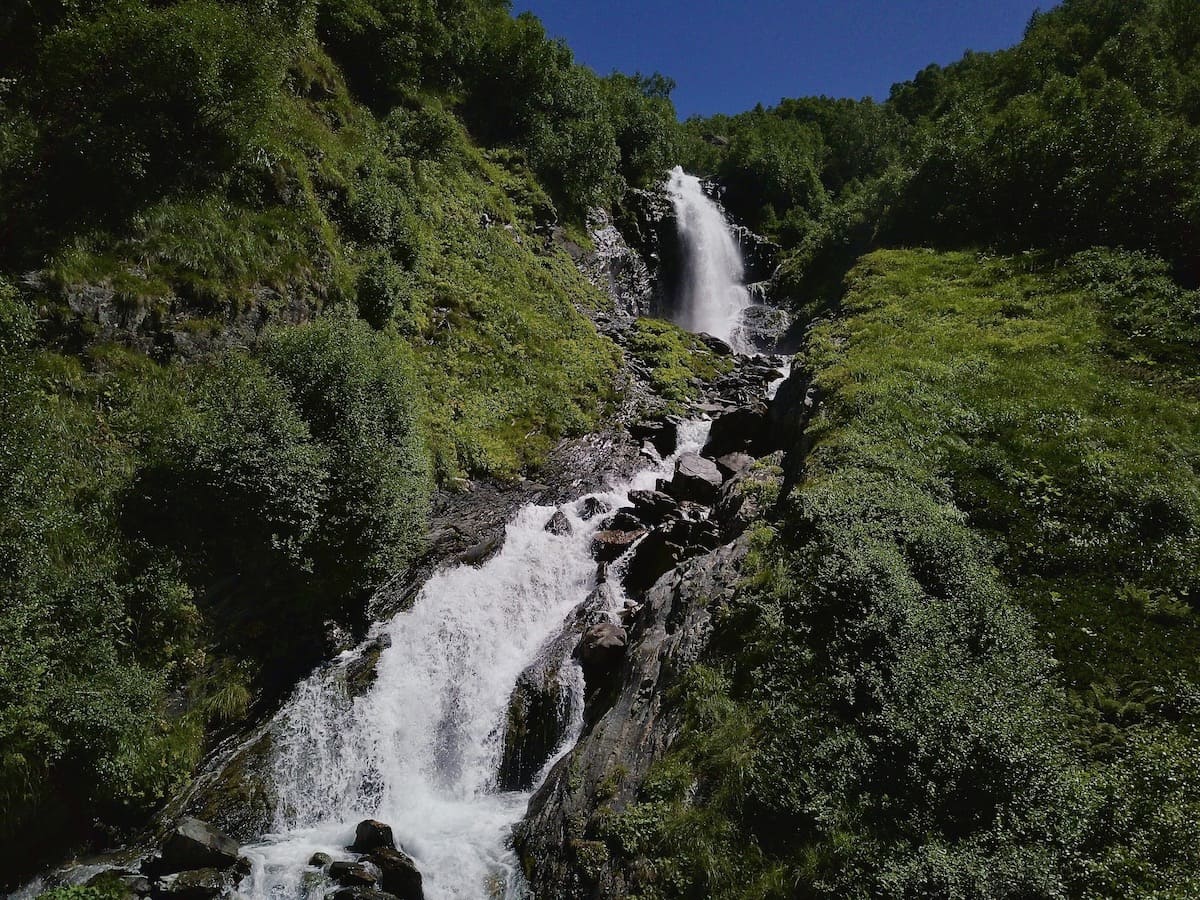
(734, 463)
(399, 874)
(696, 478)
(743, 430)
(663, 434)
(559, 524)
(625, 739)
(600, 650)
(623, 520)
(608, 545)
(590, 507)
(652, 507)
(371, 835)
(195, 884)
(766, 327)
(655, 556)
(538, 716)
(197, 845)
(352, 874)
(359, 893)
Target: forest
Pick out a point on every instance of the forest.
(275, 273)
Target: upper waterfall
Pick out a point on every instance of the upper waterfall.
(713, 293)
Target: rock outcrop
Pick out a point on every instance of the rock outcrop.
(611, 760)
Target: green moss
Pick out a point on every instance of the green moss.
(678, 361)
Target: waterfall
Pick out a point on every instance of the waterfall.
(420, 749)
(713, 293)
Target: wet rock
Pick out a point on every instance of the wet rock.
(353, 874)
(734, 463)
(696, 478)
(765, 327)
(608, 545)
(715, 344)
(590, 507)
(481, 552)
(653, 558)
(743, 430)
(607, 768)
(359, 893)
(559, 524)
(399, 874)
(195, 884)
(360, 673)
(320, 860)
(652, 507)
(197, 845)
(663, 434)
(601, 649)
(624, 520)
(535, 725)
(371, 834)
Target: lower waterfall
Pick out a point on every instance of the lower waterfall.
(421, 748)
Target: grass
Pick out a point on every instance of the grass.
(968, 643)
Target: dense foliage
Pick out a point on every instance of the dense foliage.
(966, 662)
(1083, 134)
(268, 271)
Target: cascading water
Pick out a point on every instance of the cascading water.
(420, 750)
(713, 294)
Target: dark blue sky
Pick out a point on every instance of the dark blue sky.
(728, 55)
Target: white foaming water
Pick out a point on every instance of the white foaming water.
(714, 293)
(421, 748)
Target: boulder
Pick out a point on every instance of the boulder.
(696, 478)
(743, 430)
(320, 860)
(559, 524)
(764, 326)
(353, 874)
(734, 463)
(715, 344)
(663, 434)
(535, 725)
(653, 558)
(194, 884)
(608, 545)
(480, 553)
(624, 520)
(372, 834)
(359, 893)
(197, 845)
(590, 507)
(652, 507)
(400, 875)
(601, 649)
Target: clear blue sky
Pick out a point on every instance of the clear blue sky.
(727, 55)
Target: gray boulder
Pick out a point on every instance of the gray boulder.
(197, 845)
(371, 834)
(353, 874)
(608, 545)
(696, 478)
(601, 649)
(652, 507)
(559, 524)
(195, 884)
(400, 875)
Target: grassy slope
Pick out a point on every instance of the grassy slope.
(966, 663)
(486, 318)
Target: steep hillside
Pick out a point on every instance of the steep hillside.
(269, 275)
(964, 659)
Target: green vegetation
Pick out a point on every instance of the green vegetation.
(677, 361)
(1084, 134)
(268, 273)
(966, 662)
